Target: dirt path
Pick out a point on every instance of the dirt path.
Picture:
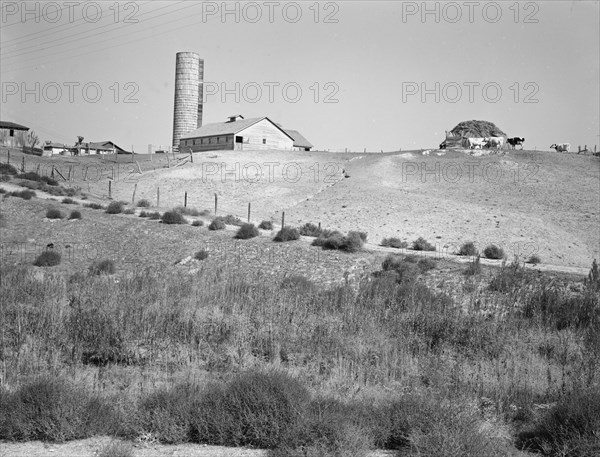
(91, 447)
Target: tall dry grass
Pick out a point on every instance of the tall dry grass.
(523, 341)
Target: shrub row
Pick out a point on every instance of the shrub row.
(268, 410)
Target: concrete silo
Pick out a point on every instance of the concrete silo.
(189, 76)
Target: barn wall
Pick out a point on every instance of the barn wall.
(18, 139)
(212, 143)
(275, 138)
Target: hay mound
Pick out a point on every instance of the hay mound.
(476, 129)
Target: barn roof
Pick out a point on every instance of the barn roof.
(299, 140)
(111, 144)
(228, 128)
(12, 125)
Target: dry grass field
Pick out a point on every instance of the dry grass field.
(294, 349)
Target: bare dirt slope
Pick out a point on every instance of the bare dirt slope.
(543, 203)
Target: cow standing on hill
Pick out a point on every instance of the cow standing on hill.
(515, 141)
(475, 143)
(496, 142)
(561, 147)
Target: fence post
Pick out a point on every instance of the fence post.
(158, 196)
(23, 165)
(282, 220)
(319, 227)
(249, 212)
(215, 204)
(133, 196)
(8, 158)
(185, 200)
(70, 170)
(109, 188)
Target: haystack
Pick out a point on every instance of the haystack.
(476, 129)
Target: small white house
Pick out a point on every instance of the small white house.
(56, 149)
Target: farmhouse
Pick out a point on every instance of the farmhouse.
(116, 149)
(55, 149)
(13, 135)
(243, 134)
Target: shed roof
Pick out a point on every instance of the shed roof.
(228, 128)
(12, 125)
(299, 140)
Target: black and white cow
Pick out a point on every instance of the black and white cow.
(561, 147)
(515, 141)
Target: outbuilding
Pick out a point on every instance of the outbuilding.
(13, 135)
(239, 134)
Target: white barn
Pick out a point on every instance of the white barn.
(238, 134)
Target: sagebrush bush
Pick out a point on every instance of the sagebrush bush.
(197, 223)
(217, 224)
(75, 215)
(310, 229)
(254, 409)
(247, 231)
(391, 262)
(105, 266)
(426, 264)
(287, 234)
(421, 244)
(93, 205)
(68, 201)
(167, 414)
(50, 409)
(394, 243)
(48, 258)
(333, 241)
(568, 429)
(144, 214)
(115, 207)
(7, 169)
(24, 194)
(353, 242)
(232, 220)
(54, 213)
(468, 249)
(534, 259)
(266, 225)
(129, 211)
(154, 215)
(201, 255)
(143, 203)
(493, 252)
(188, 211)
(173, 217)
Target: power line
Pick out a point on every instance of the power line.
(87, 53)
(36, 17)
(70, 39)
(36, 47)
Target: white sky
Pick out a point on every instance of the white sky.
(372, 58)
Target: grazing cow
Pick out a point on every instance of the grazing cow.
(475, 143)
(516, 141)
(495, 142)
(561, 147)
